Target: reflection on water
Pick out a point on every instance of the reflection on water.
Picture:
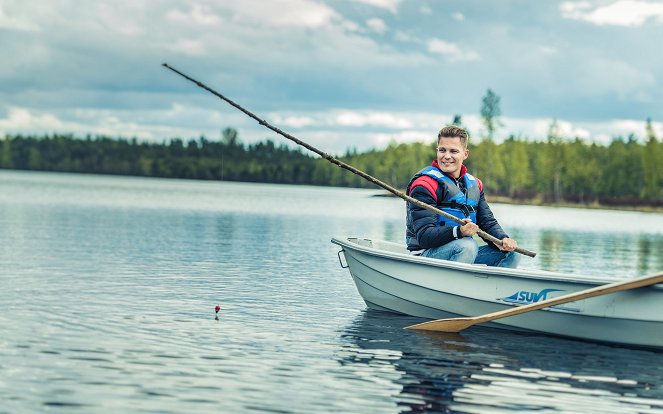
(649, 256)
(550, 256)
(486, 370)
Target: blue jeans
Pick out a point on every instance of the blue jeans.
(467, 250)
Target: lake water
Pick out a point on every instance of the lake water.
(108, 284)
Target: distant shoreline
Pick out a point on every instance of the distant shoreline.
(563, 204)
(569, 204)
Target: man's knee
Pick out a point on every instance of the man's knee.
(465, 250)
(467, 244)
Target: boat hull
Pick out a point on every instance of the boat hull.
(389, 279)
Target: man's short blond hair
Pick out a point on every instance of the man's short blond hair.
(453, 131)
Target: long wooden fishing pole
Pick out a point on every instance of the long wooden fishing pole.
(344, 165)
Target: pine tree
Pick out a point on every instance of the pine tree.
(491, 112)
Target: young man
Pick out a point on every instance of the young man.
(447, 185)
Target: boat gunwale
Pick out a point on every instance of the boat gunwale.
(471, 268)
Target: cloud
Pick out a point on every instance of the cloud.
(362, 119)
(19, 119)
(458, 16)
(283, 13)
(600, 132)
(347, 118)
(319, 67)
(377, 25)
(143, 124)
(628, 13)
(451, 50)
(547, 50)
(198, 15)
(293, 121)
(391, 5)
(18, 23)
(192, 47)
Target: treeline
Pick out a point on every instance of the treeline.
(625, 172)
(195, 159)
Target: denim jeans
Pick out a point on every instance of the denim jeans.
(467, 250)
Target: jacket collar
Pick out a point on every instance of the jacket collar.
(463, 170)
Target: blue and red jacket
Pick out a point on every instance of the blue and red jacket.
(462, 198)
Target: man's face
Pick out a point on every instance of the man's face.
(450, 155)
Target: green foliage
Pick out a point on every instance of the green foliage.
(491, 112)
(652, 165)
(557, 170)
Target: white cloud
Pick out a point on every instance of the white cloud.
(601, 132)
(425, 9)
(548, 50)
(451, 50)
(143, 124)
(191, 47)
(347, 118)
(538, 128)
(198, 14)
(114, 19)
(391, 5)
(21, 119)
(624, 127)
(362, 119)
(283, 13)
(630, 13)
(380, 140)
(279, 55)
(335, 130)
(18, 23)
(377, 25)
(293, 121)
(458, 16)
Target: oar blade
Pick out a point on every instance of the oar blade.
(444, 325)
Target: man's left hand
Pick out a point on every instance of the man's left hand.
(508, 245)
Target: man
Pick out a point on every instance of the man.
(447, 185)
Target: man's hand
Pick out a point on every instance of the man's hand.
(508, 245)
(469, 228)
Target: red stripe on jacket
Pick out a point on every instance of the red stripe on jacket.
(429, 183)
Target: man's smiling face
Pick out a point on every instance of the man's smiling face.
(450, 155)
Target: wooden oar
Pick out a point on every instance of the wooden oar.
(344, 165)
(459, 324)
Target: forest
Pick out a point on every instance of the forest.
(557, 170)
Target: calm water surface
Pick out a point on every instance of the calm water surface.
(108, 286)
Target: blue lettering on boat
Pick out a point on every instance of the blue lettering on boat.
(523, 296)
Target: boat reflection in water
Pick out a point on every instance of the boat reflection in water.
(486, 369)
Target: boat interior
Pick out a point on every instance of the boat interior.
(380, 245)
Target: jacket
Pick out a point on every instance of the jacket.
(425, 229)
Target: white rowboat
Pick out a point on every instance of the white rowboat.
(390, 279)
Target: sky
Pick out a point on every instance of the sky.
(346, 74)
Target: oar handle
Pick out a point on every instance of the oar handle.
(341, 163)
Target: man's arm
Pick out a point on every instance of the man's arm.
(424, 222)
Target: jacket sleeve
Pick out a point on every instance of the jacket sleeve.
(487, 222)
(424, 222)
